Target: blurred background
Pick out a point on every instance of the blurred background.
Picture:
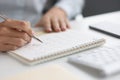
(94, 7)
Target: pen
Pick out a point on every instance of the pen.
(33, 36)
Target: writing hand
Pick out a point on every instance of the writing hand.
(14, 34)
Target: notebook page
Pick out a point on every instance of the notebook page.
(52, 44)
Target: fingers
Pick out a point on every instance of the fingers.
(55, 25)
(63, 25)
(47, 25)
(54, 20)
(9, 43)
(7, 47)
(12, 41)
(67, 24)
(60, 24)
(14, 33)
(18, 25)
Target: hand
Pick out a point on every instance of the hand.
(54, 20)
(14, 34)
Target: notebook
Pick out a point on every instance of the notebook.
(55, 45)
(50, 72)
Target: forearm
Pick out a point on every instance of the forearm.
(71, 8)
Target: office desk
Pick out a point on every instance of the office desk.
(9, 66)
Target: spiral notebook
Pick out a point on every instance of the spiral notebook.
(56, 45)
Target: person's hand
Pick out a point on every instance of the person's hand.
(14, 34)
(54, 20)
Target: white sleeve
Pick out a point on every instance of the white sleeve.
(71, 7)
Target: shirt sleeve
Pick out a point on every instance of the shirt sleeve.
(71, 7)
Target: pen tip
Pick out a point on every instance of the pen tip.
(37, 39)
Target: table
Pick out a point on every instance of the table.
(9, 66)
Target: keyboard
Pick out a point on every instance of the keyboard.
(105, 59)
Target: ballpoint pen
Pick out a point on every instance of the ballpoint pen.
(33, 36)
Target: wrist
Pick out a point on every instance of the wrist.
(60, 10)
(63, 11)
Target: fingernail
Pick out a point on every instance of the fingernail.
(63, 29)
(57, 30)
(49, 30)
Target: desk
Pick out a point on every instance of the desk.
(9, 66)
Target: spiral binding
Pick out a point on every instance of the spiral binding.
(70, 51)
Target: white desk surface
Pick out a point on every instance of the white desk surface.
(9, 66)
